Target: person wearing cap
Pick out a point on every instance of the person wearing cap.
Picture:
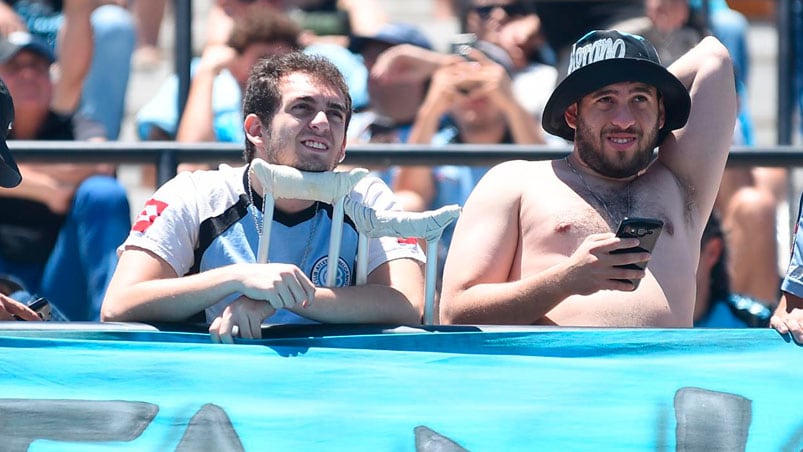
(535, 239)
(62, 224)
(9, 178)
(400, 62)
(103, 94)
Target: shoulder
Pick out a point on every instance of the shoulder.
(516, 172)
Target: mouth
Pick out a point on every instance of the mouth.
(315, 145)
(621, 142)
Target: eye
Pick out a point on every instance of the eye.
(337, 114)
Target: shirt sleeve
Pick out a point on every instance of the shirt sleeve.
(793, 281)
(169, 223)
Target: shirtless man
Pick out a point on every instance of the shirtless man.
(533, 243)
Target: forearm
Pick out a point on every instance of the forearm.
(197, 121)
(75, 44)
(169, 299)
(370, 303)
(426, 121)
(523, 126)
(506, 303)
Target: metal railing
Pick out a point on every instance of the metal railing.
(166, 155)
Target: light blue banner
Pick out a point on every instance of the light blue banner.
(531, 389)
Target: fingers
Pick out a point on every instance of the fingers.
(9, 308)
(789, 323)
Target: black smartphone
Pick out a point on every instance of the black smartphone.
(40, 306)
(647, 231)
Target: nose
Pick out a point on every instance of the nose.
(623, 116)
(319, 121)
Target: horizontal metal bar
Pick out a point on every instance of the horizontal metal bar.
(369, 155)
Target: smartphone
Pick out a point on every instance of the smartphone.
(462, 43)
(647, 231)
(42, 307)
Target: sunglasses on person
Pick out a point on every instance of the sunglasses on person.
(512, 9)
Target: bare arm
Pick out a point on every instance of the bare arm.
(75, 46)
(197, 121)
(414, 186)
(697, 153)
(394, 293)
(477, 286)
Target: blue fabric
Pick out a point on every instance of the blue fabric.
(82, 262)
(721, 314)
(534, 389)
(162, 110)
(106, 84)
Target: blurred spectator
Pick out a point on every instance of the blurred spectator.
(564, 22)
(10, 177)
(223, 14)
(400, 62)
(105, 85)
(730, 27)
(61, 226)
(263, 33)
(514, 26)
(322, 20)
(476, 98)
(676, 28)
(717, 306)
(213, 111)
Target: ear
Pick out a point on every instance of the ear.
(711, 252)
(570, 115)
(342, 155)
(661, 114)
(253, 129)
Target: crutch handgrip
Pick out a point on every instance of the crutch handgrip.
(390, 223)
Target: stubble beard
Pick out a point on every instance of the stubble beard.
(617, 169)
(278, 152)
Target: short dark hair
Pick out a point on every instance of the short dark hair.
(263, 97)
(264, 25)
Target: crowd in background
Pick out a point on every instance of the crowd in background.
(67, 64)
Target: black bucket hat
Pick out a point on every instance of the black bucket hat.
(604, 57)
(9, 173)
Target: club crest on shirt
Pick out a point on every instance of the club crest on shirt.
(321, 268)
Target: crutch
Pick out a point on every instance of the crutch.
(428, 225)
(280, 181)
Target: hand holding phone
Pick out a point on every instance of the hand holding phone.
(647, 231)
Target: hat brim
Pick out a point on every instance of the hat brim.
(9, 172)
(588, 79)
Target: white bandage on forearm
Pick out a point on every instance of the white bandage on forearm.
(289, 183)
(390, 223)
